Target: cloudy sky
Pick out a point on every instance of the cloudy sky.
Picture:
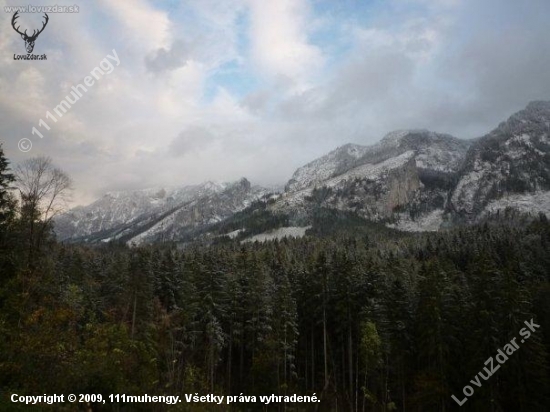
(220, 89)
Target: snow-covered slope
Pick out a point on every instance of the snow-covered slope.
(406, 169)
(372, 190)
(512, 159)
(333, 163)
(433, 151)
(199, 213)
(531, 203)
(116, 208)
(155, 214)
(418, 179)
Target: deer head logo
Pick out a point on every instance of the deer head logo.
(29, 40)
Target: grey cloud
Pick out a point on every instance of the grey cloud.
(499, 67)
(256, 102)
(169, 59)
(372, 78)
(490, 62)
(192, 139)
(508, 68)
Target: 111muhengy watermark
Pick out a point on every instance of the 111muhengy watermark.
(105, 67)
(501, 357)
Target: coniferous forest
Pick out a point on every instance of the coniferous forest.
(366, 320)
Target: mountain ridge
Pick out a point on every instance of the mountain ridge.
(409, 180)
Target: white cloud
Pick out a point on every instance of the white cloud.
(280, 46)
(283, 98)
(142, 26)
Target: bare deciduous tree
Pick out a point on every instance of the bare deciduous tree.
(44, 190)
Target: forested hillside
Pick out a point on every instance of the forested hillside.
(366, 323)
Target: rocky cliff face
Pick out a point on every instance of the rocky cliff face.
(376, 191)
(403, 183)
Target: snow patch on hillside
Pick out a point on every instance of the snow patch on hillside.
(280, 233)
(234, 234)
(430, 222)
(532, 203)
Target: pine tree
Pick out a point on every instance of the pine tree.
(7, 213)
(7, 203)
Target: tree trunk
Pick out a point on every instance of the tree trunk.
(350, 361)
(229, 358)
(325, 346)
(134, 315)
(312, 360)
(364, 389)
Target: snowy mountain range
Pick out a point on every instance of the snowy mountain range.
(155, 214)
(411, 180)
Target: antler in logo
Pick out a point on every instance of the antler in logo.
(29, 40)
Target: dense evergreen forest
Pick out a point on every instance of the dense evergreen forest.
(367, 322)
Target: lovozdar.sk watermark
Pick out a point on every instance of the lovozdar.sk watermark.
(42, 9)
(501, 358)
